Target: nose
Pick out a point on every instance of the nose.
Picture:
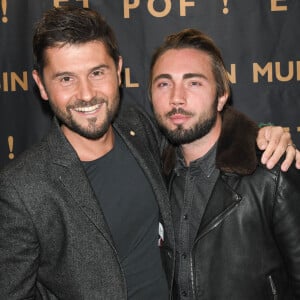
(85, 90)
(178, 96)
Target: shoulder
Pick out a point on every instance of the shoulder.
(135, 118)
(28, 163)
(292, 175)
(275, 183)
(133, 113)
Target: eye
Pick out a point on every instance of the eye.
(66, 80)
(96, 74)
(195, 83)
(162, 84)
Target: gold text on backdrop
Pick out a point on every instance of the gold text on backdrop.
(225, 9)
(56, 3)
(129, 5)
(277, 5)
(10, 140)
(4, 9)
(10, 81)
(273, 70)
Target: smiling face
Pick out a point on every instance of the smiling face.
(81, 82)
(184, 95)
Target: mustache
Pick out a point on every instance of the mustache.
(82, 103)
(180, 111)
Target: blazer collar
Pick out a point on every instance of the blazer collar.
(72, 175)
(147, 161)
(70, 172)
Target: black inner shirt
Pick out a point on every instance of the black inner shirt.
(131, 212)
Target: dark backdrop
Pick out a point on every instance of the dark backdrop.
(260, 41)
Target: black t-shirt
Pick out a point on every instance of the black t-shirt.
(131, 212)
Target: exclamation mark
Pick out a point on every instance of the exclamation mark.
(225, 9)
(11, 147)
(4, 8)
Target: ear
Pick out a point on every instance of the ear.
(119, 70)
(39, 83)
(222, 101)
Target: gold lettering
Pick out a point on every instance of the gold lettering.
(128, 6)
(163, 13)
(225, 9)
(16, 79)
(5, 82)
(10, 140)
(128, 82)
(56, 3)
(4, 9)
(85, 3)
(232, 74)
(276, 7)
(289, 75)
(183, 5)
(298, 70)
(298, 129)
(262, 71)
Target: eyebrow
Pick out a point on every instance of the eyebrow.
(61, 74)
(185, 76)
(192, 75)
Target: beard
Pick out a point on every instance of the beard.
(92, 130)
(180, 135)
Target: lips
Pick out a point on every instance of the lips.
(179, 118)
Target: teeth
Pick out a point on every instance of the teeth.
(87, 108)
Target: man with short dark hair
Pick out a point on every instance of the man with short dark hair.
(80, 212)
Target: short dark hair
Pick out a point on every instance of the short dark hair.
(71, 25)
(195, 39)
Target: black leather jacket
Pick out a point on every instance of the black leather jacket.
(248, 243)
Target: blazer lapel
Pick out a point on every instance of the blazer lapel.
(69, 170)
(150, 166)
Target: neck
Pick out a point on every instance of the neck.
(87, 149)
(200, 147)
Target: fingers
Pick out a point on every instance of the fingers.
(275, 141)
(263, 137)
(290, 156)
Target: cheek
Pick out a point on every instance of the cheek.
(159, 99)
(108, 87)
(60, 98)
(157, 104)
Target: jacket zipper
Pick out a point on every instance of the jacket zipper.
(192, 277)
(273, 288)
(215, 223)
(219, 219)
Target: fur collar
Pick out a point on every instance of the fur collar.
(236, 152)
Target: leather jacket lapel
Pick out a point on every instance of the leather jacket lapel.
(222, 203)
